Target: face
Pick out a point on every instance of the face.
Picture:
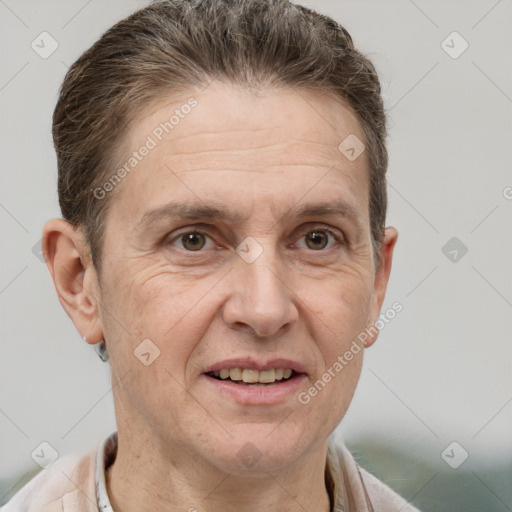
(240, 241)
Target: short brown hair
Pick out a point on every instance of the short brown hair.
(172, 45)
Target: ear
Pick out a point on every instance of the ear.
(69, 261)
(381, 283)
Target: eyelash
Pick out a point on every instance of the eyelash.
(332, 232)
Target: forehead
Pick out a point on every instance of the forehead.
(242, 148)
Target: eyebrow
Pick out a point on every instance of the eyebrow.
(191, 211)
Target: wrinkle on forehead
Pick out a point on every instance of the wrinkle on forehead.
(281, 114)
(231, 139)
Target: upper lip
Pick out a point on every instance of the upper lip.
(253, 364)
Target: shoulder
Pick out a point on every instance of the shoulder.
(383, 496)
(362, 490)
(69, 483)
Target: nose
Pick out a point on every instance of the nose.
(261, 300)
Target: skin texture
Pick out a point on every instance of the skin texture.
(305, 298)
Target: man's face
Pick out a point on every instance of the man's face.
(260, 286)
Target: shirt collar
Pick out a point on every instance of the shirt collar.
(105, 457)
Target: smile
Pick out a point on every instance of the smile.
(252, 377)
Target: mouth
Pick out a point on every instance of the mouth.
(254, 378)
(253, 382)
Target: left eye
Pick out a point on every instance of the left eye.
(318, 239)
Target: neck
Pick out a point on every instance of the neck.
(144, 478)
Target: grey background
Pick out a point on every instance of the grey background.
(440, 371)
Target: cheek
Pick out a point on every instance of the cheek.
(165, 309)
(171, 310)
(339, 308)
(340, 303)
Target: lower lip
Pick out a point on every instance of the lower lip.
(264, 395)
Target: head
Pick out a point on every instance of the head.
(222, 184)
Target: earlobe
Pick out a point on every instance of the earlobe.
(70, 265)
(381, 282)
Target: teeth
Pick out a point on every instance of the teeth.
(250, 376)
(235, 374)
(267, 376)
